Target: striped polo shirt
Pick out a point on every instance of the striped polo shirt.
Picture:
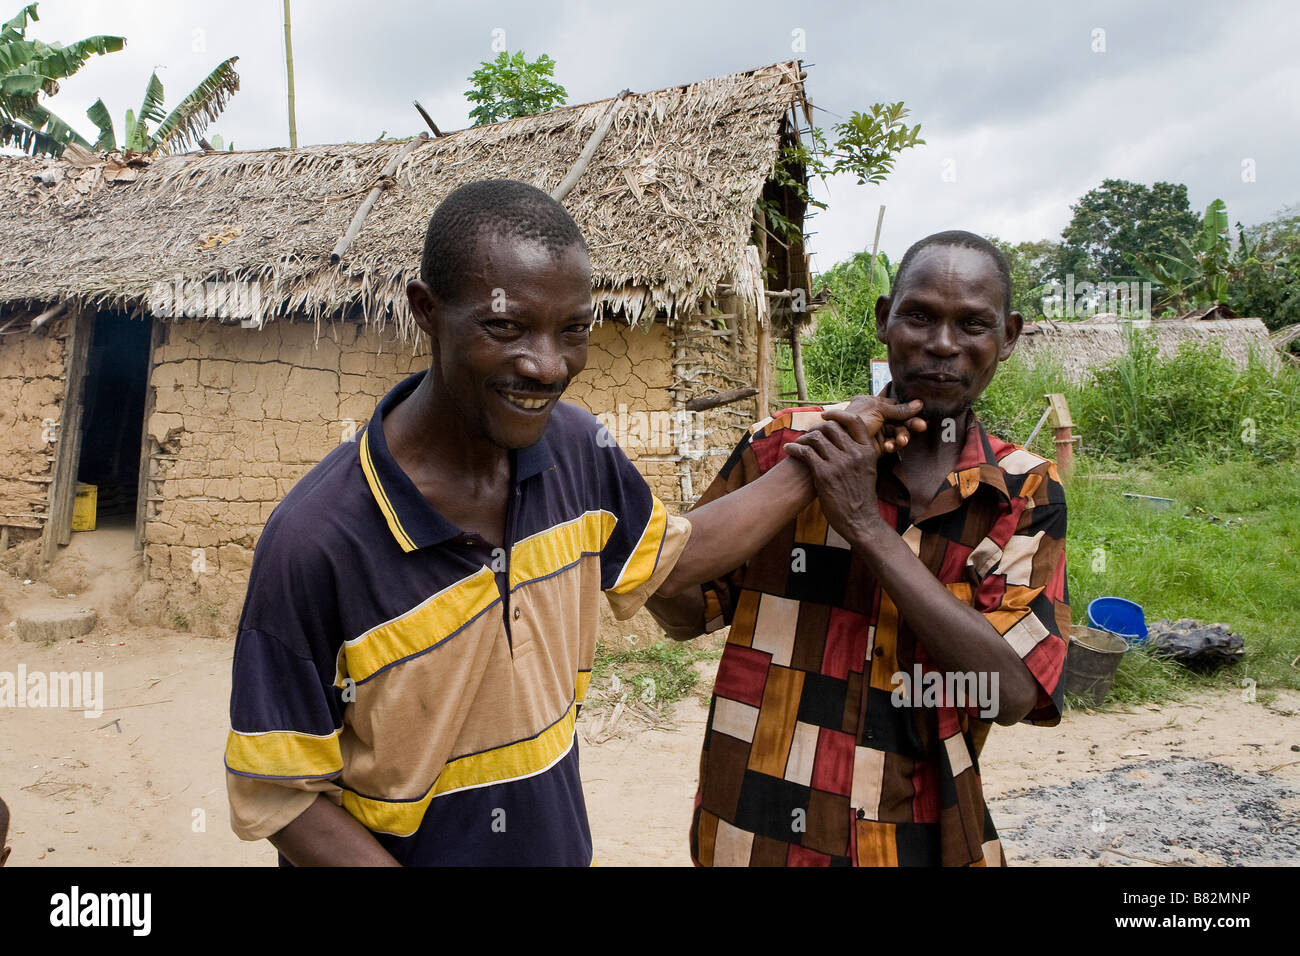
(421, 679)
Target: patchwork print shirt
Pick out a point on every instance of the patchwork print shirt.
(419, 678)
(816, 753)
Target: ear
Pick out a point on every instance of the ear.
(1015, 324)
(426, 307)
(882, 316)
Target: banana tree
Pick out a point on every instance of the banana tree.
(176, 130)
(1201, 272)
(30, 69)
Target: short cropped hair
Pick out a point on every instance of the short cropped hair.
(489, 207)
(965, 240)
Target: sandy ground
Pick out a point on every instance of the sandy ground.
(1210, 780)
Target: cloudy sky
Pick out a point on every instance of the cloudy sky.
(1024, 106)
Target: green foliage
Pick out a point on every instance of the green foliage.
(866, 146)
(1190, 405)
(1269, 283)
(1190, 561)
(1204, 267)
(1013, 403)
(510, 86)
(1033, 267)
(837, 356)
(1121, 217)
(659, 674)
(30, 69)
(182, 127)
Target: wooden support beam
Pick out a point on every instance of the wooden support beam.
(385, 180)
(53, 312)
(63, 489)
(593, 143)
(703, 403)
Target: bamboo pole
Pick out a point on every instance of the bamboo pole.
(288, 68)
(796, 357)
(593, 143)
(364, 209)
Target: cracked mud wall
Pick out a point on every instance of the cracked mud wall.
(240, 415)
(32, 370)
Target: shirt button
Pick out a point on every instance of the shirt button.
(517, 613)
(862, 814)
(879, 651)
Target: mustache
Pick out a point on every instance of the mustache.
(525, 387)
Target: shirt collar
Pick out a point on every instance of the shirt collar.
(977, 465)
(413, 522)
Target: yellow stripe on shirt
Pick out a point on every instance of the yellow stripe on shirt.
(516, 761)
(429, 623)
(284, 753)
(381, 496)
(560, 546)
(641, 564)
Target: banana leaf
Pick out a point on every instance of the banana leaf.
(185, 124)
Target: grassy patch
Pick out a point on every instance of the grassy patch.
(660, 674)
(1224, 552)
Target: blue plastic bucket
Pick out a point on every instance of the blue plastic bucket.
(1119, 617)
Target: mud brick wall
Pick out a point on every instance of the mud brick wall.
(32, 369)
(708, 363)
(240, 415)
(625, 384)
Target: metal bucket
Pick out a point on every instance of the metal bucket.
(1091, 662)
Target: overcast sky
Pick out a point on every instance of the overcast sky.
(1024, 106)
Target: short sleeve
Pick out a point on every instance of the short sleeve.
(1022, 592)
(645, 542)
(759, 449)
(286, 711)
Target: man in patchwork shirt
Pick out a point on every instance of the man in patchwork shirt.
(919, 598)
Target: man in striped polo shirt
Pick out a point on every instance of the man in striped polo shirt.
(422, 611)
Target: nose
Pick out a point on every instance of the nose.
(943, 341)
(542, 362)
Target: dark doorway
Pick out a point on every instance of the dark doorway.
(116, 382)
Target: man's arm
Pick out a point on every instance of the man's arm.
(957, 636)
(727, 531)
(327, 835)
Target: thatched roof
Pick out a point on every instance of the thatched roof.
(1080, 346)
(666, 207)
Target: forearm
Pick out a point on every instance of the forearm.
(726, 532)
(957, 637)
(682, 615)
(327, 835)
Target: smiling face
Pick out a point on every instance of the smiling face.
(946, 329)
(514, 336)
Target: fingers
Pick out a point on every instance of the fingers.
(900, 413)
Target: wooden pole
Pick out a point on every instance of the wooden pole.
(364, 209)
(796, 359)
(593, 143)
(67, 452)
(875, 244)
(288, 67)
(763, 345)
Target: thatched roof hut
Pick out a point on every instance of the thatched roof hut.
(665, 204)
(191, 334)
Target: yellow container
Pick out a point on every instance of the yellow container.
(83, 508)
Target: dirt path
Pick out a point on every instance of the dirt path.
(143, 782)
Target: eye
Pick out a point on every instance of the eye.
(501, 327)
(578, 331)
